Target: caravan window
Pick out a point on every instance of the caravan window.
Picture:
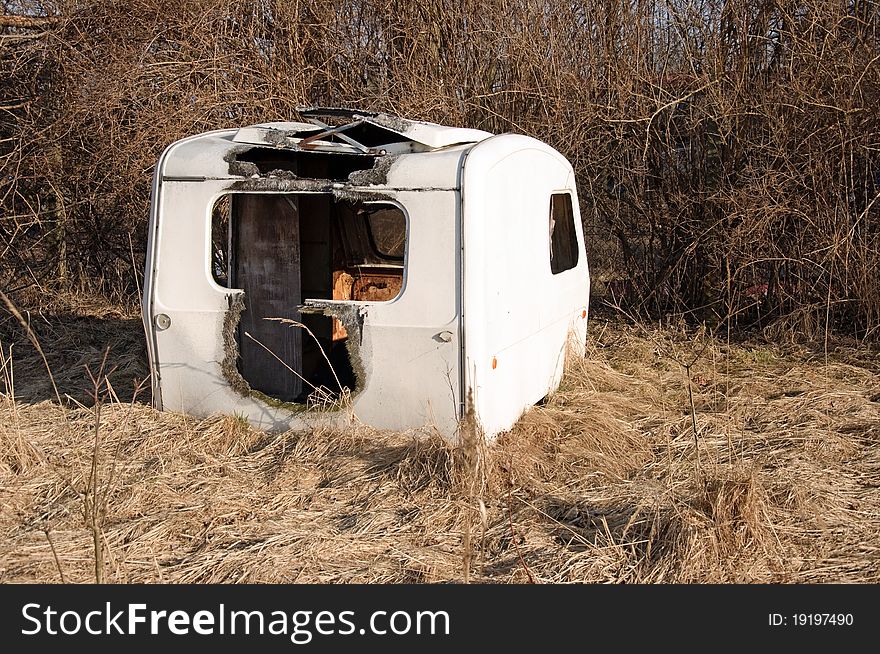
(563, 237)
(387, 227)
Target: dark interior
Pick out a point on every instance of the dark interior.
(312, 165)
(282, 249)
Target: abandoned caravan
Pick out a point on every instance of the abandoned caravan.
(358, 262)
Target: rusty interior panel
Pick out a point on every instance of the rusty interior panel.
(365, 285)
(377, 287)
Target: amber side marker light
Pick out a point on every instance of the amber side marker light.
(584, 313)
(494, 363)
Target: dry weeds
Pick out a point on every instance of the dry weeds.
(725, 153)
(600, 484)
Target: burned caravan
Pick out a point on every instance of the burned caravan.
(409, 268)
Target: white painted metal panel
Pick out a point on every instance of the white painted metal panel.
(411, 345)
(430, 134)
(518, 316)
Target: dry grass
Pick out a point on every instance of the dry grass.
(600, 484)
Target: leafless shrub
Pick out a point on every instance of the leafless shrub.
(725, 151)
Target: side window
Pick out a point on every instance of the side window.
(221, 241)
(387, 228)
(563, 238)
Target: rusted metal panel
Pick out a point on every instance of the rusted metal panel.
(376, 287)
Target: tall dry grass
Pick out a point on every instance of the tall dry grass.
(725, 150)
(600, 484)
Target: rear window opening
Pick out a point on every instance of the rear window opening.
(284, 249)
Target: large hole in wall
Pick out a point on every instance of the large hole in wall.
(283, 249)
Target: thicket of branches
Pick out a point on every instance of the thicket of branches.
(727, 151)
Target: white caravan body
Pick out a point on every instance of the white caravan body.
(403, 271)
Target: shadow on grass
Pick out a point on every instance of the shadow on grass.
(73, 345)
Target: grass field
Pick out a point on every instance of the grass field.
(764, 467)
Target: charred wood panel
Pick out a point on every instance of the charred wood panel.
(266, 265)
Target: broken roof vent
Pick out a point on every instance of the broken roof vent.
(359, 132)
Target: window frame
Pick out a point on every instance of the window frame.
(388, 263)
(372, 238)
